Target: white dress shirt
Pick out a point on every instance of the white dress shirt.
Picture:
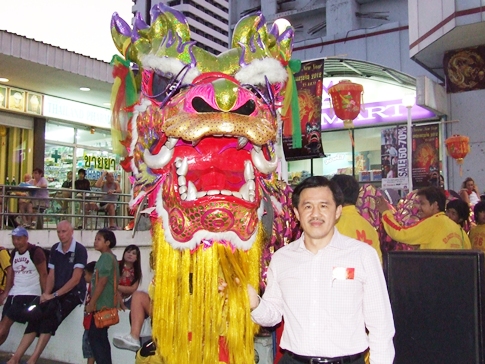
(328, 299)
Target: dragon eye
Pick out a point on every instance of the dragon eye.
(162, 86)
(246, 109)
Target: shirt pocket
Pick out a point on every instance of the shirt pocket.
(345, 297)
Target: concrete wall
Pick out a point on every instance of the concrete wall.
(468, 109)
(66, 344)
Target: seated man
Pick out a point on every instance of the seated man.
(111, 188)
(83, 184)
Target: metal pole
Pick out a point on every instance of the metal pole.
(410, 149)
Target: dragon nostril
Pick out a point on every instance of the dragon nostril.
(246, 109)
(200, 105)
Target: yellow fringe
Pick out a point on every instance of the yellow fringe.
(187, 327)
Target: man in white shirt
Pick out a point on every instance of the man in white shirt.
(328, 288)
(26, 280)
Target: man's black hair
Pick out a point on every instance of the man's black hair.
(317, 181)
(434, 194)
(462, 209)
(349, 186)
(479, 207)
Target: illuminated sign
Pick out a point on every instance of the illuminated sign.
(75, 111)
(376, 113)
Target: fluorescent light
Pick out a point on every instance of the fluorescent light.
(84, 88)
(3, 79)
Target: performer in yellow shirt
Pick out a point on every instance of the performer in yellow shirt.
(477, 233)
(4, 265)
(351, 223)
(435, 230)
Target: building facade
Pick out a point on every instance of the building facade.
(208, 20)
(396, 35)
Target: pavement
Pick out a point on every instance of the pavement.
(4, 357)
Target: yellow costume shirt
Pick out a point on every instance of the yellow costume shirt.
(477, 237)
(435, 232)
(4, 264)
(352, 224)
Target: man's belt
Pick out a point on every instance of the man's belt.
(321, 359)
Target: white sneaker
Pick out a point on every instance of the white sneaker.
(127, 342)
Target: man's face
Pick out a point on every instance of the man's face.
(64, 232)
(317, 212)
(20, 243)
(80, 175)
(480, 218)
(425, 208)
(36, 175)
(110, 178)
(453, 215)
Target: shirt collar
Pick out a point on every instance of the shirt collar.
(299, 244)
(72, 247)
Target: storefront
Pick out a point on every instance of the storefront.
(77, 136)
(72, 136)
(377, 144)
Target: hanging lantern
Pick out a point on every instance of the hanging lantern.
(346, 98)
(458, 146)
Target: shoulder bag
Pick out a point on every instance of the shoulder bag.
(107, 317)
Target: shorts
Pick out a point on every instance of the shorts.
(102, 205)
(87, 351)
(55, 311)
(127, 302)
(15, 307)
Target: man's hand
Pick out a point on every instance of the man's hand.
(253, 297)
(46, 297)
(381, 204)
(3, 297)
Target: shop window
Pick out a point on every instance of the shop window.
(368, 151)
(57, 162)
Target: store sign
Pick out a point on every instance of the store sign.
(375, 113)
(93, 162)
(74, 111)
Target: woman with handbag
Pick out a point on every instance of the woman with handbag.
(104, 296)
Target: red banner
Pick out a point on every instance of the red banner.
(309, 85)
(426, 151)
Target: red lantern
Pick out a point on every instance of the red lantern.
(346, 100)
(458, 146)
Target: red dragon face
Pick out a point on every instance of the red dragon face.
(201, 140)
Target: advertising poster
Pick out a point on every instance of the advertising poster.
(309, 86)
(426, 151)
(394, 157)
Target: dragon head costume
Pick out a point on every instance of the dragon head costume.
(200, 138)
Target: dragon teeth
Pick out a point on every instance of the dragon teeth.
(241, 142)
(191, 191)
(183, 167)
(248, 171)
